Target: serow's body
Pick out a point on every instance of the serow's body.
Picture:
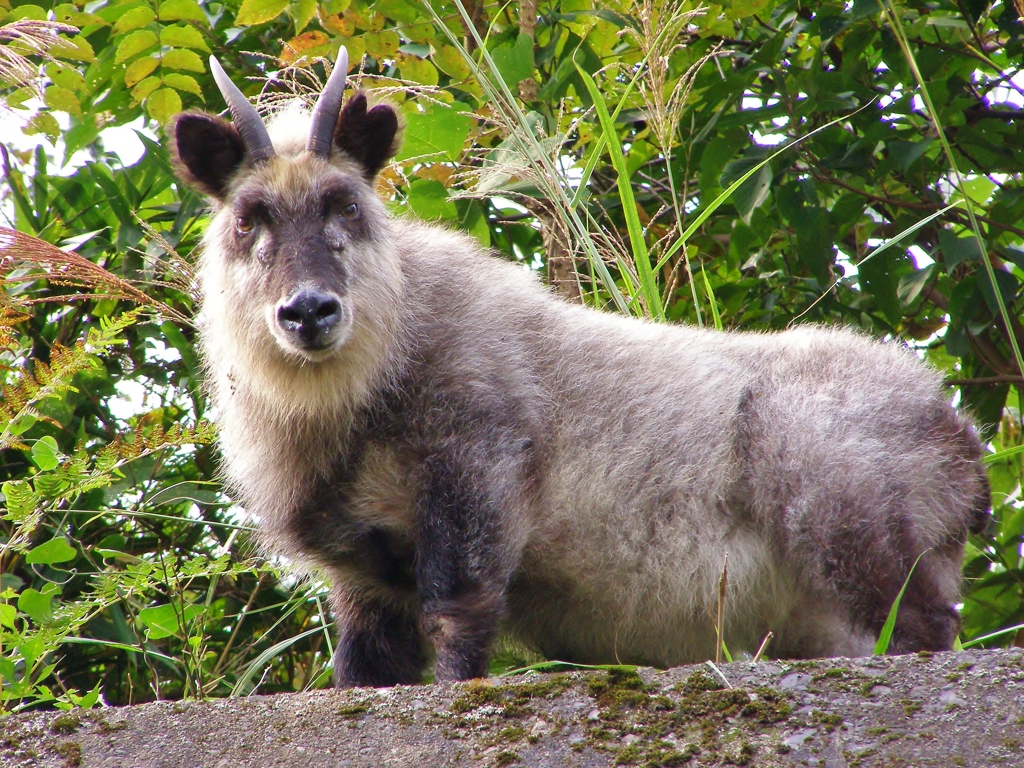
(462, 451)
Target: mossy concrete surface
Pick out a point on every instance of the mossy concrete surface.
(950, 709)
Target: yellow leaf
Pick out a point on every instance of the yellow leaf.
(259, 11)
(419, 33)
(182, 10)
(179, 58)
(77, 49)
(182, 36)
(451, 62)
(146, 87)
(417, 70)
(382, 45)
(135, 43)
(135, 18)
(163, 104)
(185, 83)
(139, 69)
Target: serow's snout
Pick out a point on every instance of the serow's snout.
(309, 317)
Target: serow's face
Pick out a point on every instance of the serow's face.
(292, 227)
(297, 237)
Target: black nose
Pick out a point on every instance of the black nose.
(309, 317)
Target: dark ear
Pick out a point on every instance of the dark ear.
(368, 137)
(206, 151)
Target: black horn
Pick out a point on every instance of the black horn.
(247, 119)
(325, 115)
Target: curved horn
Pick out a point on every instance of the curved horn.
(247, 119)
(325, 114)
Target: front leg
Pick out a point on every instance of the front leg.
(464, 557)
(379, 639)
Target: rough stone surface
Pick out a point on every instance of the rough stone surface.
(950, 709)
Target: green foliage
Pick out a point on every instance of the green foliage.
(607, 133)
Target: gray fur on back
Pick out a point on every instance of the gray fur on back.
(477, 450)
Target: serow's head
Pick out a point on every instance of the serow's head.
(297, 219)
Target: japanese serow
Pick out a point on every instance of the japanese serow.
(464, 453)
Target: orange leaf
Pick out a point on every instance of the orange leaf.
(302, 45)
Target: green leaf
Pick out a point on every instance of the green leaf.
(135, 43)
(32, 12)
(259, 11)
(163, 104)
(754, 190)
(429, 200)
(180, 58)
(438, 133)
(163, 620)
(182, 36)
(181, 10)
(815, 243)
(53, 551)
(956, 250)
(134, 18)
(302, 12)
(400, 10)
(160, 621)
(907, 153)
(65, 76)
(514, 59)
(878, 277)
(641, 257)
(62, 100)
(20, 499)
(45, 454)
(882, 645)
(8, 613)
(36, 605)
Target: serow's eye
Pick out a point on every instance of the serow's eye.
(244, 226)
(350, 211)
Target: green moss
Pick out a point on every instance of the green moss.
(505, 757)
(70, 751)
(512, 733)
(513, 698)
(69, 722)
(352, 711)
(910, 708)
(105, 726)
(829, 720)
(626, 705)
(628, 755)
(835, 673)
(768, 706)
(698, 682)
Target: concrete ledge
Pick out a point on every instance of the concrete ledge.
(950, 709)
